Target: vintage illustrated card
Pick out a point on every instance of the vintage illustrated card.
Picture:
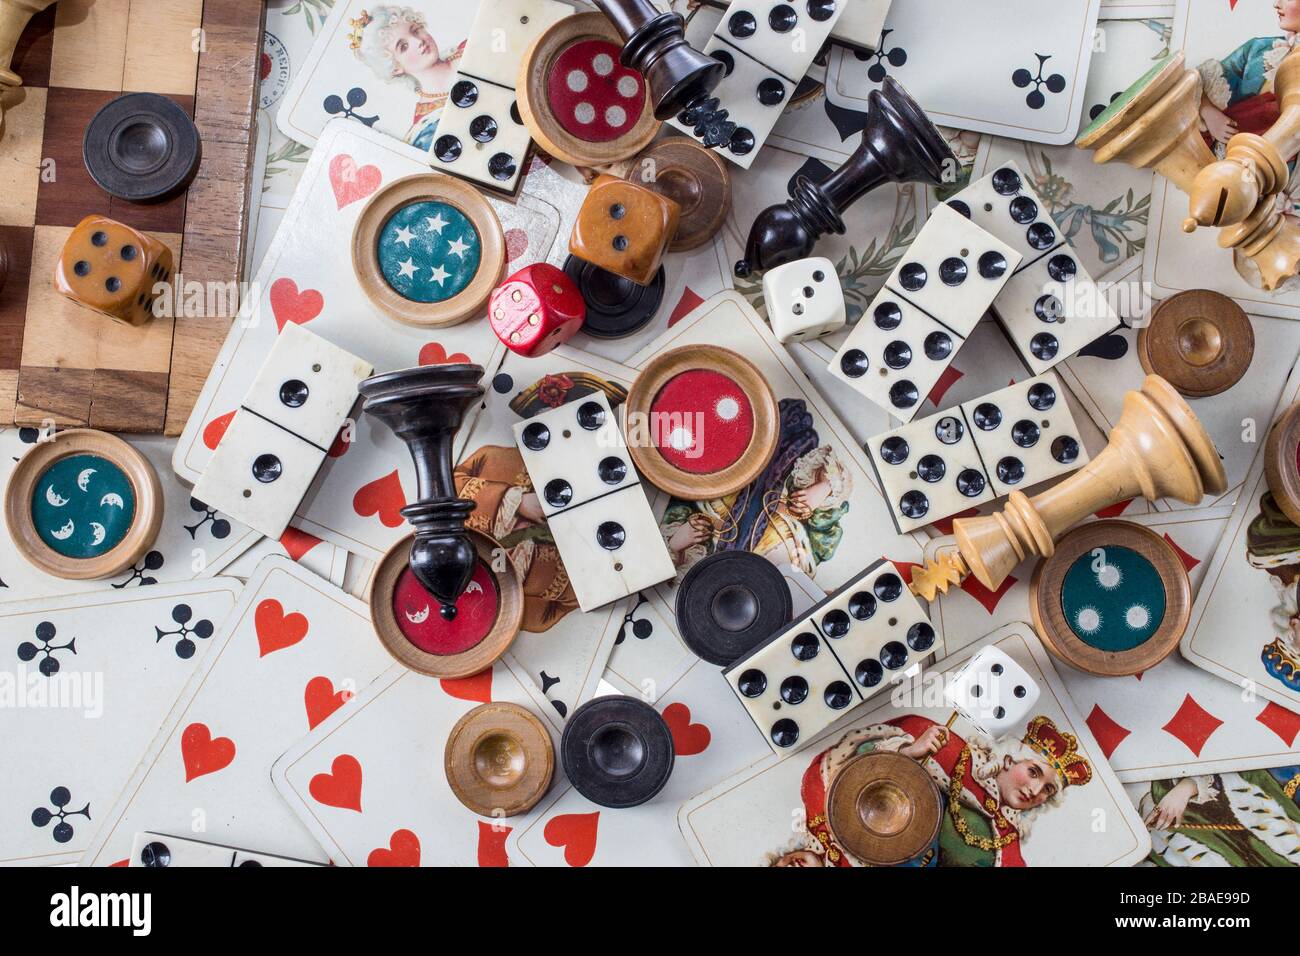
(1042, 796)
(1023, 65)
(370, 785)
(294, 650)
(87, 679)
(307, 278)
(1236, 48)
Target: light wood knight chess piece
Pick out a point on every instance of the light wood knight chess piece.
(1158, 449)
(14, 16)
(1155, 125)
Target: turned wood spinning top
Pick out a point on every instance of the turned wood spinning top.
(424, 407)
(14, 17)
(899, 144)
(654, 43)
(1158, 449)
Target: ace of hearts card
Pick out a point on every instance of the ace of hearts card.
(369, 782)
(294, 650)
(1005, 803)
(1237, 49)
(87, 679)
(1022, 64)
(306, 278)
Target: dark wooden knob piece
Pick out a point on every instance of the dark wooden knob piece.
(424, 407)
(899, 145)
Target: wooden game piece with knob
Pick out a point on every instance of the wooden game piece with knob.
(1199, 341)
(899, 144)
(884, 810)
(1158, 449)
(424, 407)
(1112, 600)
(499, 760)
(578, 102)
(403, 612)
(692, 176)
(1155, 124)
(1282, 462)
(14, 17)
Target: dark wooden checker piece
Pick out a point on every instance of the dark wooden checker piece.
(646, 450)
(1282, 462)
(617, 751)
(142, 147)
(58, 361)
(884, 809)
(499, 760)
(1199, 341)
(729, 603)
(1134, 595)
(694, 177)
(482, 655)
(550, 106)
(615, 306)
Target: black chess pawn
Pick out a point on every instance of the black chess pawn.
(680, 77)
(424, 407)
(899, 144)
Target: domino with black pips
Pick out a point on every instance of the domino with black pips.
(163, 851)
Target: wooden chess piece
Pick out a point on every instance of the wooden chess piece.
(424, 407)
(899, 144)
(1158, 449)
(14, 17)
(1155, 125)
(654, 43)
(1199, 341)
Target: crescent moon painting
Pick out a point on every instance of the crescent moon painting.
(86, 523)
(418, 617)
(64, 533)
(474, 588)
(113, 499)
(83, 479)
(97, 533)
(54, 498)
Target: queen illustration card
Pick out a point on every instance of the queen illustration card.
(1237, 49)
(1245, 625)
(1042, 796)
(387, 66)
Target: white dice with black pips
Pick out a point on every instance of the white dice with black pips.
(594, 504)
(1009, 440)
(931, 302)
(767, 46)
(1051, 307)
(835, 656)
(992, 691)
(804, 300)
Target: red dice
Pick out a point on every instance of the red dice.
(536, 309)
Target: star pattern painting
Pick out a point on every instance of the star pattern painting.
(429, 251)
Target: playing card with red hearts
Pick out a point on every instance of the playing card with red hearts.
(122, 657)
(292, 652)
(368, 782)
(306, 278)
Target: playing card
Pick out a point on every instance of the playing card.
(1249, 818)
(293, 651)
(1022, 65)
(86, 682)
(306, 278)
(327, 560)
(1237, 48)
(369, 782)
(560, 648)
(194, 541)
(774, 812)
(815, 507)
(162, 850)
(384, 66)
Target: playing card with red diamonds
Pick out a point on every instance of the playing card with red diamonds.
(369, 783)
(306, 277)
(85, 682)
(293, 651)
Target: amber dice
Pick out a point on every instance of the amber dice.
(624, 228)
(113, 269)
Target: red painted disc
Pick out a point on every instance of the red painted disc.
(592, 95)
(419, 616)
(703, 422)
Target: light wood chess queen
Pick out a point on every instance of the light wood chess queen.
(1158, 449)
(14, 16)
(1155, 125)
